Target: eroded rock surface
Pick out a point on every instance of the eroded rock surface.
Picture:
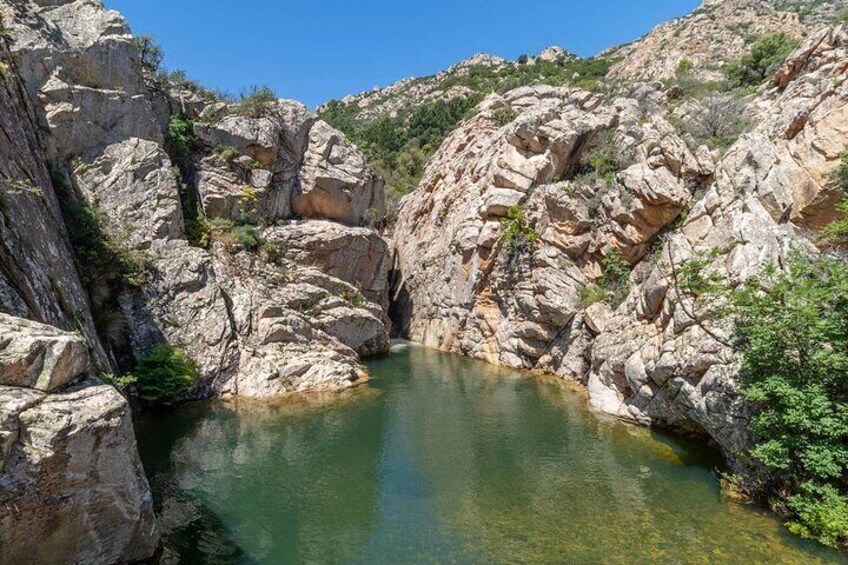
(71, 482)
(650, 358)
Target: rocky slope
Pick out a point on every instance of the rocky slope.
(718, 32)
(513, 290)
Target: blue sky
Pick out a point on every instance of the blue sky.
(317, 50)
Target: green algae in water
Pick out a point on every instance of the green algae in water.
(442, 459)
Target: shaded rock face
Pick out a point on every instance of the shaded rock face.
(71, 483)
(645, 360)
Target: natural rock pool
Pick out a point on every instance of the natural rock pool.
(443, 459)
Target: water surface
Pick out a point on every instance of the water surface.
(442, 459)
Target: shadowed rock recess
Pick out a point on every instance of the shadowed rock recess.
(137, 210)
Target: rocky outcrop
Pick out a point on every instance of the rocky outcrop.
(466, 291)
(215, 302)
(71, 483)
(514, 292)
(84, 134)
(289, 163)
(718, 32)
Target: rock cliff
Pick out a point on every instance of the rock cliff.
(516, 225)
(285, 292)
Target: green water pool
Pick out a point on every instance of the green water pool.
(442, 459)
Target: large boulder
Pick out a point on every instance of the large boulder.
(71, 482)
(358, 256)
(37, 356)
(336, 183)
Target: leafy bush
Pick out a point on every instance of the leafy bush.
(179, 140)
(258, 102)
(247, 237)
(518, 236)
(766, 56)
(228, 153)
(835, 234)
(504, 116)
(164, 376)
(593, 294)
(792, 332)
(604, 160)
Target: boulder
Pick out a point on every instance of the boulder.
(40, 357)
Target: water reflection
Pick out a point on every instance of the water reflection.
(443, 459)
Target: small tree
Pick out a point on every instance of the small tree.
(766, 55)
(150, 53)
(717, 120)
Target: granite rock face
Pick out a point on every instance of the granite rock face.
(71, 482)
(717, 32)
(465, 287)
(89, 80)
(85, 133)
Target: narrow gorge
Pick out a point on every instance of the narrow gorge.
(205, 283)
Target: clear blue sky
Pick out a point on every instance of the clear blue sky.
(317, 50)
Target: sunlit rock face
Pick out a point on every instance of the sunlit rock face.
(463, 288)
(71, 481)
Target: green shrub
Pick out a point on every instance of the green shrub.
(593, 294)
(504, 116)
(179, 140)
(604, 161)
(792, 332)
(247, 237)
(228, 153)
(518, 237)
(258, 102)
(685, 66)
(835, 234)
(164, 376)
(766, 55)
(841, 17)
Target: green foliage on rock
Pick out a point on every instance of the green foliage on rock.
(179, 140)
(835, 234)
(257, 102)
(792, 333)
(504, 116)
(766, 55)
(150, 53)
(104, 253)
(518, 236)
(397, 148)
(613, 284)
(163, 377)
